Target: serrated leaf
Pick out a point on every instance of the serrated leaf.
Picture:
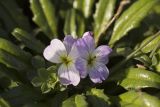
(28, 40)
(39, 18)
(104, 12)
(70, 102)
(45, 88)
(130, 19)
(80, 101)
(14, 50)
(140, 99)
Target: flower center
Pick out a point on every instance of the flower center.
(91, 60)
(66, 60)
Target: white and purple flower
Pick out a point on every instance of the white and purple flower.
(66, 54)
(78, 58)
(93, 61)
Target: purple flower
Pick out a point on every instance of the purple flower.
(65, 54)
(93, 61)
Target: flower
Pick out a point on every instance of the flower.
(65, 54)
(92, 60)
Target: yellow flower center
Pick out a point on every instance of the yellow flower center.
(91, 60)
(66, 60)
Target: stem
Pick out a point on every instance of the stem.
(114, 69)
(120, 8)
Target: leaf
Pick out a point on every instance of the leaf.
(3, 103)
(28, 40)
(84, 6)
(104, 12)
(150, 46)
(140, 99)
(138, 78)
(39, 18)
(49, 12)
(20, 95)
(75, 101)
(80, 101)
(97, 98)
(69, 102)
(38, 62)
(70, 26)
(57, 100)
(14, 50)
(130, 19)
(12, 61)
(15, 14)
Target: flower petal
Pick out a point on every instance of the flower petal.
(102, 53)
(81, 66)
(68, 75)
(54, 51)
(74, 53)
(98, 73)
(68, 42)
(89, 41)
(85, 45)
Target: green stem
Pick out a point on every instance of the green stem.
(119, 65)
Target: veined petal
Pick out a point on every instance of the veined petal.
(102, 53)
(82, 48)
(68, 42)
(98, 73)
(54, 51)
(81, 65)
(74, 53)
(89, 41)
(68, 75)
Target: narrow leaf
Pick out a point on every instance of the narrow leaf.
(104, 12)
(28, 40)
(131, 18)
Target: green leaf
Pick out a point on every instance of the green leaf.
(131, 18)
(150, 46)
(75, 101)
(28, 40)
(12, 61)
(45, 88)
(49, 12)
(38, 62)
(140, 99)
(70, 102)
(138, 78)
(97, 98)
(3, 103)
(14, 50)
(57, 100)
(37, 82)
(15, 14)
(104, 12)
(80, 101)
(70, 26)
(84, 6)
(39, 18)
